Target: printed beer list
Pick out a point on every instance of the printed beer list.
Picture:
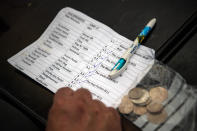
(77, 51)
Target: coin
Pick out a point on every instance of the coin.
(125, 99)
(158, 94)
(135, 93)
(139, 110)
(148, 101)
(126, 106)
(154, 107)
(142, 100)
(157, 118)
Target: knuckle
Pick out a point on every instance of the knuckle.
(80, 104)
(98, 103)
(64, 89)
(62, 92)
(105, 115)
(83, 91)
(95, 110)
(111, 110)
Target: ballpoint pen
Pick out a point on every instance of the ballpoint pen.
(121, 65)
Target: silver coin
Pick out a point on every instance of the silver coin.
(143, 99)
(135, 93)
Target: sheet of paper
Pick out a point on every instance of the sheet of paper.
(79, 52)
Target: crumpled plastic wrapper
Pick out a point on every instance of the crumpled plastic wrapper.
(180, 105)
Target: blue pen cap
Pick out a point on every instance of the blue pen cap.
(120, 64)
(145, 31)
(143, 34)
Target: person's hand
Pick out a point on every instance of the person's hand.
(76, 111)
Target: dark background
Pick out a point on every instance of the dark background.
(23, 21)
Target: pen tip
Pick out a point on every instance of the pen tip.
(152, 22)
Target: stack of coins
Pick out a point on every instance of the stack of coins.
(141, 101)
(140, 98)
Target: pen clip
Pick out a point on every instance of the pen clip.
(120, 66)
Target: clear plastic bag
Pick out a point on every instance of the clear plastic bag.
(180, 104)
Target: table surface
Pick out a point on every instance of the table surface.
(28, 21)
